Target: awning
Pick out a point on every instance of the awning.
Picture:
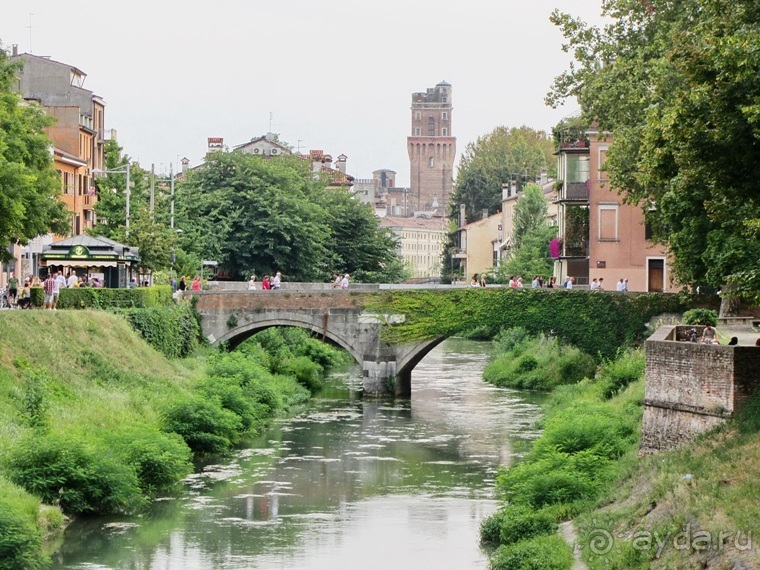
(81, 263)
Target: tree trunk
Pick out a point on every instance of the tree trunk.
(729, 303)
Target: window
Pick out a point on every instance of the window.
(417, 132)
(577, 168)
(444, 116)
(445, 132)
(431, 127)
(417, 116)
(431, 161)
(608, 222)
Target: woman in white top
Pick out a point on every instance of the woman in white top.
(344, 282)
(252, 283)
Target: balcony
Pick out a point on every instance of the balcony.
(573, 250)
(574, 192)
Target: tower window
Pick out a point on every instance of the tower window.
(417, 115)
(431, 162)
(445, 132)
(445, 116)
(431, 127)
(417, 131)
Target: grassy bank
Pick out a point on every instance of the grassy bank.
(696, 507)
(93, 420)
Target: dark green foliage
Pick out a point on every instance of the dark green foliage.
(539, 553)
(62, 469)
(596, 324)
(34, 401)
(700, 317)
(204, 424)
(105, 298)
(172, 330)
(160, 460)
(20, 540)
(483, 332)
(538, 364)
(517, 522)
(37, 295)
(614, 375)
(308, 373)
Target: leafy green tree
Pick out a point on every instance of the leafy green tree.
(531, 235)
(155, 240)
(260, 216)
(678, 83)
(27, 178)
(503, 155)
(111, 207)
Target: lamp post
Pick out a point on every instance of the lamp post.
(124, 170)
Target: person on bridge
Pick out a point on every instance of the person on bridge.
(265, 283)
(276, 280)
(196, 284)
(475, 282)
(483, 280)
(344, 282)
(337, 280)
(252, 283)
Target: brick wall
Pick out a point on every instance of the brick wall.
(691, 387)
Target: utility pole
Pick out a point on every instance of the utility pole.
(152, 188)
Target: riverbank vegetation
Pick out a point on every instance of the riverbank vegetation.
(95, 421)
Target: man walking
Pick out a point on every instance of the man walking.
(12, 289)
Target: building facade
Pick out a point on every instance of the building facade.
(421, 242)
(432, 150)
(600, 236)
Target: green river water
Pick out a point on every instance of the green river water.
(349, 483)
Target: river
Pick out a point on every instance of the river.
(349, 483)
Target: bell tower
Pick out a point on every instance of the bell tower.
(432, 148)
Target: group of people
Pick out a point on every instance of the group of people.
(340, 281)
(268, 282)
(21, 297)
(195, 285)
(598, 284)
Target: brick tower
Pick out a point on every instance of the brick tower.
(432, 149)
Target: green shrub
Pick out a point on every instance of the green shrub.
(161, 460)
(539, 553)
(507, 339)
(20, 535)
(308, 373)
(81, 478)
(700, 317)
(537, 363)
(614, 375)
(482, 332)
(107, 298)
(233, 398)
(172, 330)
(205, 426)
(517, 522)
(37, 295)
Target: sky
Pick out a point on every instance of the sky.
(335, 75)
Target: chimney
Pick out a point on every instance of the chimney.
(185, 165)
(15, 50)
(462, 216)
(485, 213)
(513, 188)
(505, 190)
(340, 164)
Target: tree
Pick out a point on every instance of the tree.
(678, 83)
(111, 206)
(155, 240)
(259, 216)
(29, 186)
(504, 155)
(530, 238)
(499, 157)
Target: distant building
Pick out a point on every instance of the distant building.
(421, 242)
(432, 149)
(479, 244)
(78, 134)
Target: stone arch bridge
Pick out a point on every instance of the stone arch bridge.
(337, 316)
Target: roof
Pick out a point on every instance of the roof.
(102, 247)
(413, 223)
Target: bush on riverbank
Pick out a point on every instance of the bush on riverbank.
(588, 428)
(106, 298)
(95, 420)
(539, 553)
(173, 330)
(534, 363)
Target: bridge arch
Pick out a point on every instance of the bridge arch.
(238, 334)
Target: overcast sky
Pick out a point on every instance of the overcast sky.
(335, 75)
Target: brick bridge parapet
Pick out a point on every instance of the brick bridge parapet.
(692, 387)
(231, 316)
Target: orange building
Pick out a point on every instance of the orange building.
(601, 237)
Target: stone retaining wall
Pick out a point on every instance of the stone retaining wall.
(692, 387)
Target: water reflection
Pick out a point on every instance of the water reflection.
(351, 483)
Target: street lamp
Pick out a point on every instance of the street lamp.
(124, 170)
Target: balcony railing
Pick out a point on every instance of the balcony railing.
(575, 191)
(575, 249)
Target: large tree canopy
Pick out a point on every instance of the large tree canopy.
(501, 156)
(29, 186)
(259, 216)
(678, 83)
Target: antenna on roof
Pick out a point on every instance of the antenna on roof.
(270, 121)
(30, 32)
